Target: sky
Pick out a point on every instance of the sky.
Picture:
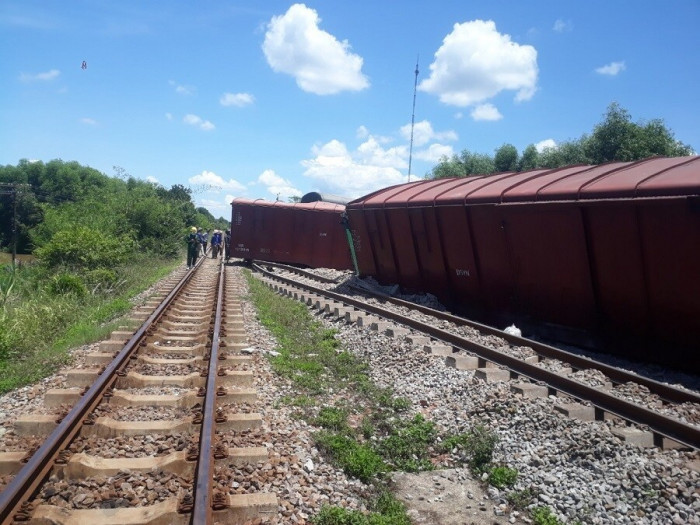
(270, 99)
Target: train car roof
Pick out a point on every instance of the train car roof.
(312, 206)
(654, 177)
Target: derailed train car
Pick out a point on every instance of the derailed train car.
(610, 250)
(308, 234)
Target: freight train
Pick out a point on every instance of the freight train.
(607, 254)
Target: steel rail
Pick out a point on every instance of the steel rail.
(31, 476)
(664, 391)
(202, 510)
(660, 424)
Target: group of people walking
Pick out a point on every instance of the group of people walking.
(198, 241)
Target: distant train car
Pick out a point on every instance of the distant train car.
(309, 234)
(610, 250)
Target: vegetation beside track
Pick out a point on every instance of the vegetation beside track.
(94, 243)
(44, 313)
(364, 428)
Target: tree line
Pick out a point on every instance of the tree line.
(58, 203)
(616, 138)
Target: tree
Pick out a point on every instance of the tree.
(618, 138)
(506, 158)
(528, 160)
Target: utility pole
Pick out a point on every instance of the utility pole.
(413, 120)
(11, 189)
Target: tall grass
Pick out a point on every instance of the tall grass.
(43, 315)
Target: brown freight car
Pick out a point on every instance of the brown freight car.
(608, 252)
(307, 234)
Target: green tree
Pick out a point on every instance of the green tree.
(617, 138)
(506, 158)
(528, 160)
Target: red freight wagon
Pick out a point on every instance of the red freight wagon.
(612, 250)
(309, 234)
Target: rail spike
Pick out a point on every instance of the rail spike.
(219, 501)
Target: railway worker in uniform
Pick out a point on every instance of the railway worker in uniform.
(192, 247)
(215, 244)
(227, 245)
(204, 241)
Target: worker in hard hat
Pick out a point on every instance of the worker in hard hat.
(192, 247)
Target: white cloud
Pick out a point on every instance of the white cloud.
(423, 133)
(544, 144)
(46, 76)
(182, 89)
(612, 69)
(352, 174)
(169, 116)
(194, 120)
(434, 153)
(486, 112)
(217, 207)
(236, 99)
(458, 115)
(88, 121)
(277, 186)
(362, 132)
(152, 179)
(294, 44)
(476, 62)
(561, 26)
(211, 180)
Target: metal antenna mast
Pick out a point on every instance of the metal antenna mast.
(413, 120)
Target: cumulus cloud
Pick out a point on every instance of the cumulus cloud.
(152, 179)
(434, 153)
(88, 121)
(43, 77)
(612, 69)
(277, 186)
(476, 62)
(194, 120)
(544, 144)
(236, 99)
(337, 170)
(211, 180)
(181, 89)
(294, 44)
(561, 26)
(486, 112)
(423, 133)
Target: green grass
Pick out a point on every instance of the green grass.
(44, 315)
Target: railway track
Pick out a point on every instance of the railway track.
(645, 411)
(143, 433)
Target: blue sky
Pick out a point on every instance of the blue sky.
(261, 99)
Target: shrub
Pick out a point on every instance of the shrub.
(85, 248)
(67, 284)
(502, 476)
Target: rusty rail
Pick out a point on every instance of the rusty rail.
(617, 375)
(659, 424)
(202, 510)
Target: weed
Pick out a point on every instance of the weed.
(355, 459)
(478, 446)
(386, 510)
(407, 447)
(502, 476)
(332, 418)
(520, 499)
(544, 516)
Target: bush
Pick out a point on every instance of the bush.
(85, 248)
(67, 284)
